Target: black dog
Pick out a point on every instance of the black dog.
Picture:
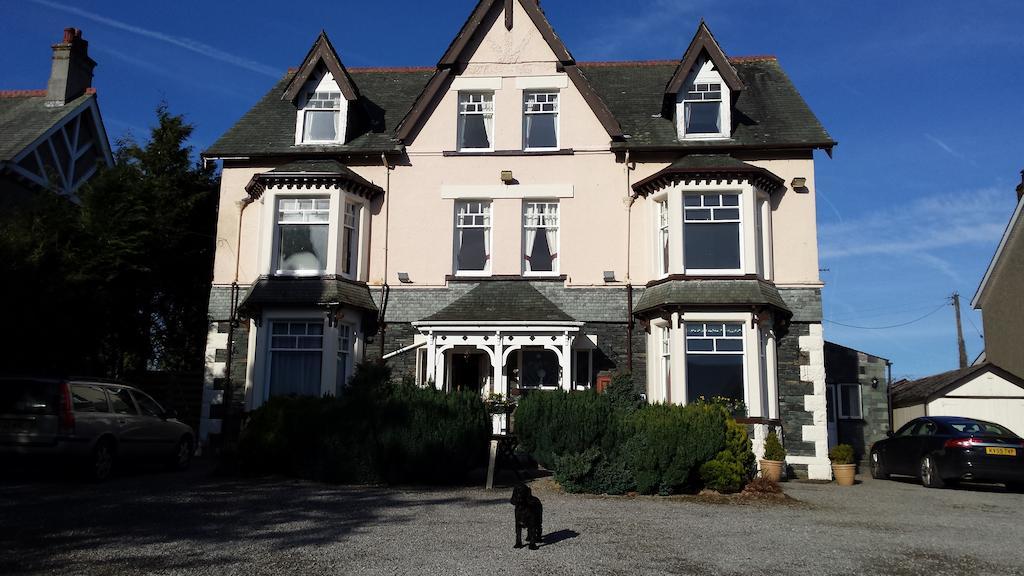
(529, 515)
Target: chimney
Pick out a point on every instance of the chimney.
(72, 68)
(1020, 187)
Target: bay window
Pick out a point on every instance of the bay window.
(712, 237)
(476, 121)
(663, 238)
(473, 237)
(296, 357)
(344, 356)
(540, 242)
(715, 361)
(540, 120)
(302, 228)
(665, 337)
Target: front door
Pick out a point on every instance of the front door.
(466, 374)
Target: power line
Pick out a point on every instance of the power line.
(940, 307)
(971, 322)
(890, 312)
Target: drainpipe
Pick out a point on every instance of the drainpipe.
(385, 290)
(888, 392)
(629, 284)
(232, 322)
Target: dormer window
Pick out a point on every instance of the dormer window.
(703, 109)
(702, 106)
(322, 112)
(322, 117)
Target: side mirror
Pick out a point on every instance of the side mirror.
(169, 414)
(888, 433)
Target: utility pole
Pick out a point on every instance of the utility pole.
(959, 331)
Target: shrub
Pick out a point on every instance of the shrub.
(376, 431)
(841, 454)
(613, 443)
(773, 449)
(667, 444)
(623, 394)
(733, 467)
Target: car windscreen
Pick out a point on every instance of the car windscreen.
(980, 428)
(29, 397)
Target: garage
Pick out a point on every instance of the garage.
(985, 392)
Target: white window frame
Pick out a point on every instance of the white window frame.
(342, 328)
(663, 239)
(325, 84)
(704, 73)
(763, 236)
(744, 353)
(665, 357)
(556, 261)
(741, 198)
(275, 255)
(354, 247)
(462, 113)
(268, 354)
(557, 113)
(488, 213)
(842, 411)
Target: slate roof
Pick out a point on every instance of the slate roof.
(278, 292)
(718, 293)
(268, 128)
(501, 301)
(24, 117)
(911, 392)
(710, 164)
(769, 111)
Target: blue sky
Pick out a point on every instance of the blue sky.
(923, 96)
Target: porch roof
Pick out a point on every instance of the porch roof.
(500, 301)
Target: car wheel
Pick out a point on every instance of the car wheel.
(101, 462)
(930, 473)
(877, 468)
(182, 454)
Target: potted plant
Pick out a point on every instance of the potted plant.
(774, 458)
(843, 467)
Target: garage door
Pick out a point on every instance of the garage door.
(1006, 411)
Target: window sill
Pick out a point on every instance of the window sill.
(559, 152)
(505, 277)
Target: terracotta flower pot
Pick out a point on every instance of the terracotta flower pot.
(844, 473)
(772, 469)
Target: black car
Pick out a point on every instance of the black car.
(944, 450)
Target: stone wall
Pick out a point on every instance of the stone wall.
(846, 366)
(215, 377)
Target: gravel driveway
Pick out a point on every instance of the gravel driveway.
(194, 523)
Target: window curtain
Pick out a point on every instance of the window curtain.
(489, 128)
(295, 373)
(487, 245)
(552, 237)
(531, 238)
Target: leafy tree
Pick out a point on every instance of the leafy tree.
(117, 281)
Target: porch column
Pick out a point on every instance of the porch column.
(432, 358)
(500, 380)
(565, 361)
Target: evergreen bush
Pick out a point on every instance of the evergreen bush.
(733, 467)
(773, 449)
(841, 454)
(376, 431)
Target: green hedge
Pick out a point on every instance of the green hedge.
(376, 432)
(610, 443)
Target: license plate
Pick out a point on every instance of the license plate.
(1001, 451)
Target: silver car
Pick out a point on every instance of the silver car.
(89, 423)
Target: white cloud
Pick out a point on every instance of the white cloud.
(179, 41)
(921, 227)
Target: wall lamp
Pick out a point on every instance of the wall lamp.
(609, 276)
(403, 277)
(799, 185)
(506, 177)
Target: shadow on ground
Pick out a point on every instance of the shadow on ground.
(44, 519)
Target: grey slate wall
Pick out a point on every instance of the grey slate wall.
(845, 366)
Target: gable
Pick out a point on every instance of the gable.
(1009, 251)
(987, 384)
(321, 56)
(505, 38)
(703, 47)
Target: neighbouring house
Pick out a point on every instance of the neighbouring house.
(1000, 297)
(54, 138)
(858, 397)
(514, 219)
(983, 391)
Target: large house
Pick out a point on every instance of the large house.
(54, 138)
(513, 218)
